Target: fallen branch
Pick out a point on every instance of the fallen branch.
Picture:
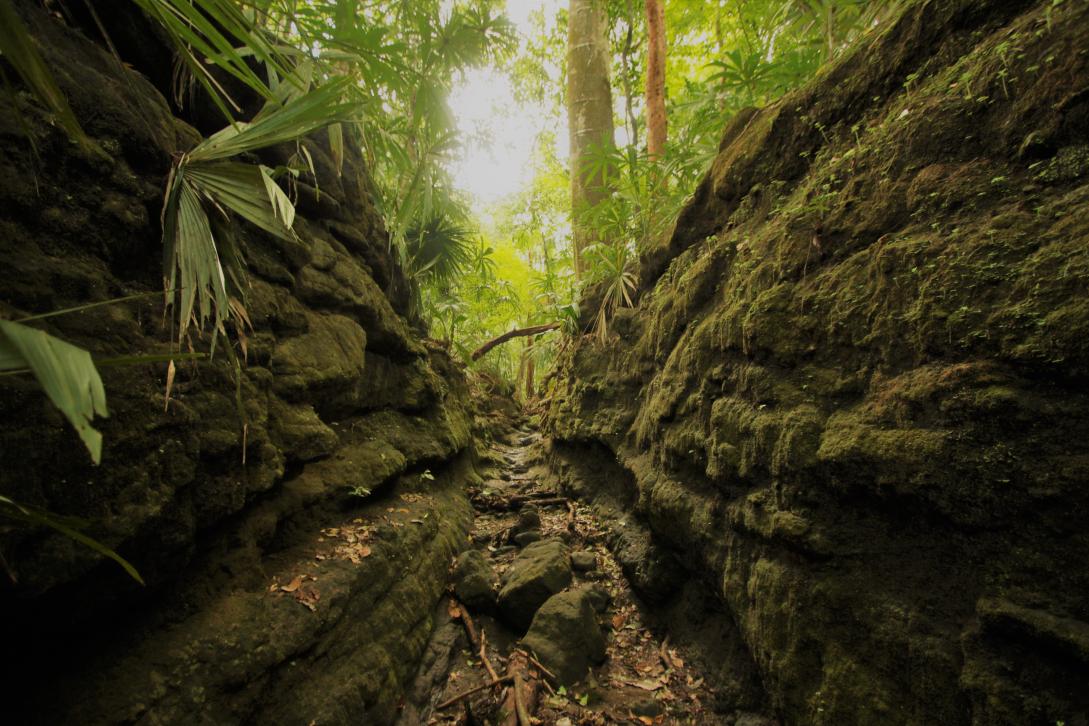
(516, 333)
(461, 696)
(520, 701)
(458, 612)
(477, 639)
(521, 698)
(544, 501)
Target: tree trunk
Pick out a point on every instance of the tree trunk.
(589, 110)
(656, 55)
(530, 368)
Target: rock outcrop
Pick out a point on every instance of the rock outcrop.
(295, 549)
(851, 400)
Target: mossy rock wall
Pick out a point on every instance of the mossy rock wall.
(853, 392)
(338, 394)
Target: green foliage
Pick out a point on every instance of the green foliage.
(211, 34)
(612, 265)
(65, 372)
(438, 250)
(200, 257)
(405, 56)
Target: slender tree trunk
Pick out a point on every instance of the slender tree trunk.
(656, 56)
(589, 110)
(530, 368)
(521, 371)
(626, 63)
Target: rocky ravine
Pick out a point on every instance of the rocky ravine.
(851, 401)
(274, 595)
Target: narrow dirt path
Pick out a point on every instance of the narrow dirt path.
(642, 679)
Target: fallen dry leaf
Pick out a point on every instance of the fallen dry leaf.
(308, 596)
(293, 585)
(170, 371)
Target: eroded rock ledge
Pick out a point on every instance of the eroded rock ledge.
(274, 594)
(851, 400)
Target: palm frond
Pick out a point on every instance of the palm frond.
(279, 123)
(17, 48)
(65, 372)
(201, 258)
(438, 249)
(211, 31)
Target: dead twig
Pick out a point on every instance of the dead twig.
(461, 696)
(477, 639)
(484, 655)
(536, 663)
(458, 612)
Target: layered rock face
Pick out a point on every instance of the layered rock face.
(851, 400)
(274, 594)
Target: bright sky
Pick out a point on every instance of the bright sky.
(498, 131)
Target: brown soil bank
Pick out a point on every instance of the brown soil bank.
(852, 395)
(274, 595)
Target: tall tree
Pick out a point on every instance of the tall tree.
(589, 111)
(656, 55)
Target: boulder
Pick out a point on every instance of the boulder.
(473, 578)
(528, 519)
(565, 635)
(599, 596)
(583, 561)
(540, 571)
(526, 538)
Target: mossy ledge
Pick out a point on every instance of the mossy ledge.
(852, 396)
